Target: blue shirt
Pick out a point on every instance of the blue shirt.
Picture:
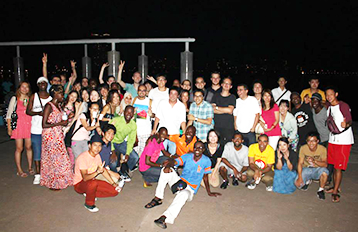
(130, 88)
(106, 153)
(193, 172)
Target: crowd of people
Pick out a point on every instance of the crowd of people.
(93, 134)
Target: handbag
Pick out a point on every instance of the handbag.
(258, 128)
(332, 127)
(178, 186)
(14, 117)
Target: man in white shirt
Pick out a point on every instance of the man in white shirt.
(246, 115)
(281, 92)
(171, 113)
(159, 93)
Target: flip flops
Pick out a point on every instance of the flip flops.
(336, 198)
(22, 174)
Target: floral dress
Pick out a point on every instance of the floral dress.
(56, 171)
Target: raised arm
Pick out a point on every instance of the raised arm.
(44, 65)
(104, 66)
(119, 76)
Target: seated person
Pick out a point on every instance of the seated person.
(123, 142)
(88, 167)
(196, 168)
(109, 131)
(261, 159)
(285, 168)
(312, 165)
(148, 161)
(169, 146)
(235, 161)
(185, 143)
(213, 150)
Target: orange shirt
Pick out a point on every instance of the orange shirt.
(182, 147)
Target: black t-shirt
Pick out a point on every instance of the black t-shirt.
(210, 93)
(305, 122)
(214, 157)
(293, 159)
(224, 120)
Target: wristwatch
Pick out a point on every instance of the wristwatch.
(216, 107)
(196, 119)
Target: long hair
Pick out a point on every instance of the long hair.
(18, 93)
(68, 98)
(272, 101)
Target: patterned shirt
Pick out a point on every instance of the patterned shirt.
(203, 111)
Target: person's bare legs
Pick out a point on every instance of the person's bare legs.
(28, 148)
(323, 180)
(19, 148)
(337, 177)
(223, 173)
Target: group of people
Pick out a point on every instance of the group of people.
(92, 136)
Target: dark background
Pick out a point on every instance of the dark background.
(242, 39)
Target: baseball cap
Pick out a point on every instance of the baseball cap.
(42, 79)
(317, 96)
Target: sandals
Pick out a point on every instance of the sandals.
(153, 203)
(336, 198)
(32, 172)
(330, 190)
(161, 222)
(22, 174)
(147, 185)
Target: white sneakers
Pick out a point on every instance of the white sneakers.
(92, 209)
(269, 188)
(37, 179)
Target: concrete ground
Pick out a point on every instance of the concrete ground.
(28, 207)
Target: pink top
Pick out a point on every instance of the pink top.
(85, 162)
(153, 150)
(269, 117)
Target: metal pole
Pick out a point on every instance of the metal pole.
(113, 60)
(186, 64)
(18, 67)
(86, 64)
(143, 64)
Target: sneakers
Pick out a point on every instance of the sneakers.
(235, 182)
(126, 178)
(269, 188)
(224, 184)
(37, 179)
(92, 208)
(120, 185)
(251, 186)
(320, 195)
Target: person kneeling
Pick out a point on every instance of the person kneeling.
(88, 168)
(196, 168)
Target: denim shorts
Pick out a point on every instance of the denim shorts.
(36, 142)
(313, 173)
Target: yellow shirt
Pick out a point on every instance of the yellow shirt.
(308, 91)
(267, 156)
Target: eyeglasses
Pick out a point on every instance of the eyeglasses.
(198, 95)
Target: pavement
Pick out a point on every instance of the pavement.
(28, 207)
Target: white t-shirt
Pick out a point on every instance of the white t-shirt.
(171, 117)
(277, 92)
(36, 121)
(144, 125)
(245, 112)
(339, 112)
(238, 159)
(156, 95)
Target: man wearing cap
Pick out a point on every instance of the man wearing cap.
(319, 118)
(35, 109)
(91, 177)
(304, 118)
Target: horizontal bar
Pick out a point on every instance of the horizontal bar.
(96, 41)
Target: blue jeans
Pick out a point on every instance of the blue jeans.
(152, 174)
(36, 142)
(121, 148)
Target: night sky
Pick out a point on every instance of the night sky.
(317, 35)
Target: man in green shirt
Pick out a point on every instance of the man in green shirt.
(126, 128)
